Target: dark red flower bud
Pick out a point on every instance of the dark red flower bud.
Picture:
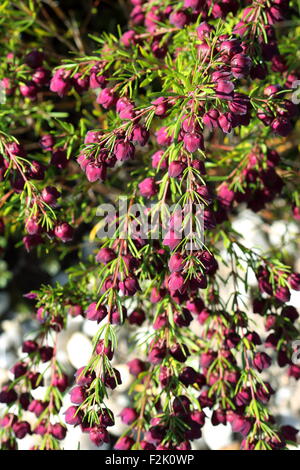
(204, 30)
(50, 195)
(19, 369)
(128, 38)
(59, 159)
(243, 397)
(207, 358)
(176, 262)
(58, 431)
(8, 420)
(137, 317)
(8, 395)
(103, 349)
(112, 381)
(128, 415)
(60, 381)
(180, 352)
(290, 312)
(34, 59)
(294, 281)
(21, 429)
(161, 321)
(262, 361)
(210, 119)
(139, 134)
(46, 353)
(264, 392)
(240, 65)
(129, 286)
(189, 376)
(36, 379)
(106, 418)
(98, 435)
(124, 150)
(41, 76)
(281, 126)
(157, 352)
(294, 371)
(289, 433)
(96, 80)
(283, 294)
(158, 161)
(219, 417)
(176, 281)
(24, 400)
(181, 405)
(29, 90)
(29, 346)
(37, 407)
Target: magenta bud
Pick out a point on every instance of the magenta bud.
(96, 313)
(128, 415)
(176, 168)
(64, 232)
(73, 416)
(124, 150)
(176, 281)
(148, 187)
(107, 98)
(50, 195)
(124, 443)
(262, 361)
(193, 142)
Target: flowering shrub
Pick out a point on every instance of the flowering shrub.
(188, 113)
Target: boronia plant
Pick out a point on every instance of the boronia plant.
(190, 116)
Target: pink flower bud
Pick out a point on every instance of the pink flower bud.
(95, 171)
(95, 313)
(60, 82)
(64, 232)
(176, 262)
(73, 416)
(124, 150)
(193, 142)
(50, 195)
(176, 281)
(148, 187)
(107, 98)
(262, 361)
(176, 168)
(124, 443)
(34, 59)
